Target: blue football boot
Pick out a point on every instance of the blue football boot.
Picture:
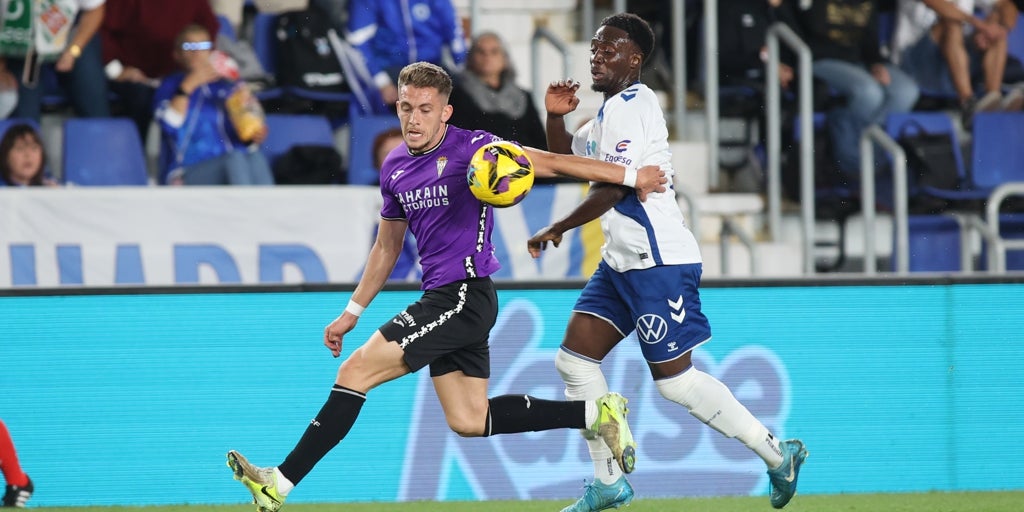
(783, 479)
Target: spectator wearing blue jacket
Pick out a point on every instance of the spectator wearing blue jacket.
(201, 146)
(394, 33)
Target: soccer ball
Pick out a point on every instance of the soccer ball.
(500, 174)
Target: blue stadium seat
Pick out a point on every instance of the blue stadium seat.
(286, 130)
(9, 122)
(1011, 226)
(364, 128)
(997, 155)
(910, 123)
(103, 151)
(934, 244)
(1015, 39)
(225, 28)
(264, 40)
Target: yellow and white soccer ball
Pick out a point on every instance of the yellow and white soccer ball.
(500, 174)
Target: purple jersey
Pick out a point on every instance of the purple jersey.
(452, 227)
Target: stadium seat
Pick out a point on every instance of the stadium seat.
(997, 155)
(264, 40)
(9, 122)
(103, 151)
(1015, 39)
(934, 244)
(225, 28)
(910, 123)
(286, 130)
(365, 128)
(1011, 226)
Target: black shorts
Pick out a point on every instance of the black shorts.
(448, 328)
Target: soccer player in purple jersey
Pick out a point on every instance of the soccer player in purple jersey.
(425, 189)
(650, 271)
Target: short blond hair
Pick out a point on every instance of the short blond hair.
(425, 74)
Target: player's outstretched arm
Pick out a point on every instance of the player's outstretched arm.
(647, 179)
(600, 199)
(379, 264)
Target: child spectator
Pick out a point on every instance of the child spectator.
(23, 162)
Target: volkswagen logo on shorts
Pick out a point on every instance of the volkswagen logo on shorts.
(651, 328)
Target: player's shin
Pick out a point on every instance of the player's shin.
(510, 414)
(324, 432)
(585, 381)
(710, 401)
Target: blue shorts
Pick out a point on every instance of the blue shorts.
(662, 304)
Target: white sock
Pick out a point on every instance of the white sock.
(710, 401)
(284, 486)
(591, 412)
(584, 381)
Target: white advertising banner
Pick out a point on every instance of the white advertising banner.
(239, 235)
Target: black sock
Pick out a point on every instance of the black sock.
(510, 414)
(330, 426)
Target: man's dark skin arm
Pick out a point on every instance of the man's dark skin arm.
(601, 198)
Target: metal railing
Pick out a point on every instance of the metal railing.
(997, 244)
(711, 89)
(777, 32)
(542, 33)
(868, 138)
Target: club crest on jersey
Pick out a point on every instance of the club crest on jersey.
(441, 163)
(622, 145)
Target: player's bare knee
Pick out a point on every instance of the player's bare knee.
(465, 425)
(354, 374)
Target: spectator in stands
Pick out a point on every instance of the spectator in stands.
(393, 33)
(61, 42)
(23, 162)
(138, 48)
(201, 140)
(843, 37)
(486, 96)
(938, 42)
(742, 31)
(19, 485)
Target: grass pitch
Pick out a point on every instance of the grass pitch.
(1012, 501)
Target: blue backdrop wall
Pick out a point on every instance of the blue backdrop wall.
(893, 388)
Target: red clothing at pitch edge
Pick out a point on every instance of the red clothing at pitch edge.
(9, 460)
(141, 33)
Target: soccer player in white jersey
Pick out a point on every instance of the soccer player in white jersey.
(650, 270)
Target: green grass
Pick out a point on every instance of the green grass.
(923, 502)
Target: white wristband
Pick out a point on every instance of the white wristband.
(354, 308)
(629, 179)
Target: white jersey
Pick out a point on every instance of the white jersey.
(630, 130)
